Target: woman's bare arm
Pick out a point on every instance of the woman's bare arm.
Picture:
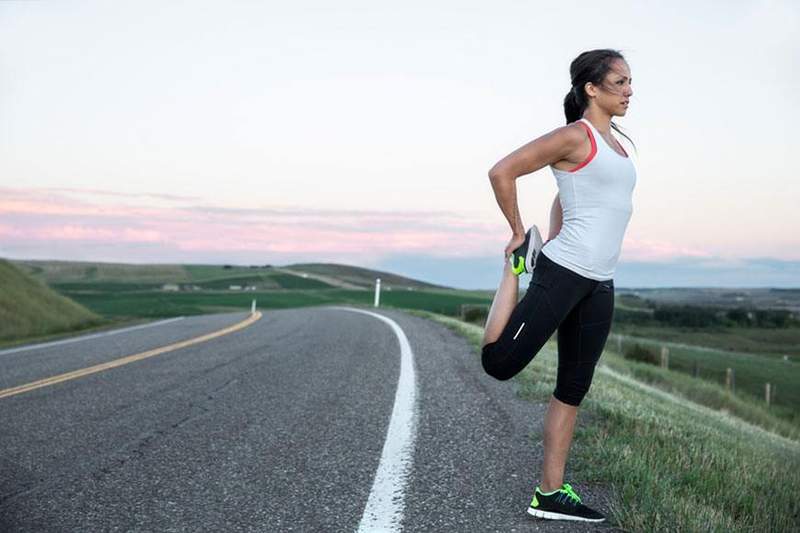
(548, 149)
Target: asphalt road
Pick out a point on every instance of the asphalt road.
(276, 427)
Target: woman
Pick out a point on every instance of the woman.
(571, 289)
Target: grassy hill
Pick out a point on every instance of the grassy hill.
(29, 308)
(362, 277)
(75, 275)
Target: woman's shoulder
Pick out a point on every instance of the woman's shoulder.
(572, 134)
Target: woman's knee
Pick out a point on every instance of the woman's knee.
(493, 363)
(570, 395)
(572, 386)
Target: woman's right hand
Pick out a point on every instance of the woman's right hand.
(515, 242)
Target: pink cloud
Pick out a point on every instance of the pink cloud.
(56, 216)
(82, 233)
(37, 222)
(655, 250)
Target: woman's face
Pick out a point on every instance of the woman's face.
(615, 92)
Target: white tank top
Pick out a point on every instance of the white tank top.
(596, 199)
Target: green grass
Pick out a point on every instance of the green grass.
(778, 418)
(107, 287)
(672, 465)
(260, 281)
(28, 308)
(289, 281)
(774, 342)
(157, 304)
(163, 304)
(751, 372)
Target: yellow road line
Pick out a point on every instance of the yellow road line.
(128, 359)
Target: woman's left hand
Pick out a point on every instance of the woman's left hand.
(515, 242)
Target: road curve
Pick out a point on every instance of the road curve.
(276, 427)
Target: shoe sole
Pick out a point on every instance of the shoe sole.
(535, 245)
(558, 516)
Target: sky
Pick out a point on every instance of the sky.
(362, 132)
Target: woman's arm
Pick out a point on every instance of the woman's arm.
(505, 192)
(546, 150)
(556, 219)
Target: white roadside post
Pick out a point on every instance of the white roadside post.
(253, 308)
(377, 292)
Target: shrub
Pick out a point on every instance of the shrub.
(687, 316)
(475, 314)
(639, 318)
(637, 352)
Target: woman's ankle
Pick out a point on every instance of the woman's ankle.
(548, 488)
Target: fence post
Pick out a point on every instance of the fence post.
(253, 307)
(377, 292)
(728, 378)
(767, 393)
(619, 343)
(664, 357)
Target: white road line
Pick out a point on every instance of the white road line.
(87, 337)
(386, 502)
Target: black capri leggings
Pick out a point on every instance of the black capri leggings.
(581, 309)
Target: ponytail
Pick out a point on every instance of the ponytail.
(573, 106)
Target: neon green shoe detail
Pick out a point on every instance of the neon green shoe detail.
(565, 488)
(534, 502)
(570, 492)
(546, 493)
(520, 268)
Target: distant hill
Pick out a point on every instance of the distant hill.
(29, 308)
(362, 277)
(73, 276)
(82, 271)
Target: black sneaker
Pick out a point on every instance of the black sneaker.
(562, 504)
(523, 259)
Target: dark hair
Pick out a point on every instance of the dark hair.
(589, 67)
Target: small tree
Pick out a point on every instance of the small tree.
(637, 352)
(475, 314)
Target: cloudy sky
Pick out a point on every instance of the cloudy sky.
(362, 132)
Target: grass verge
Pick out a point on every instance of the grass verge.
(28, 308)
(673, 464)
(778, 419)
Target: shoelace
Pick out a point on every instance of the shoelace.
(571, 493)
